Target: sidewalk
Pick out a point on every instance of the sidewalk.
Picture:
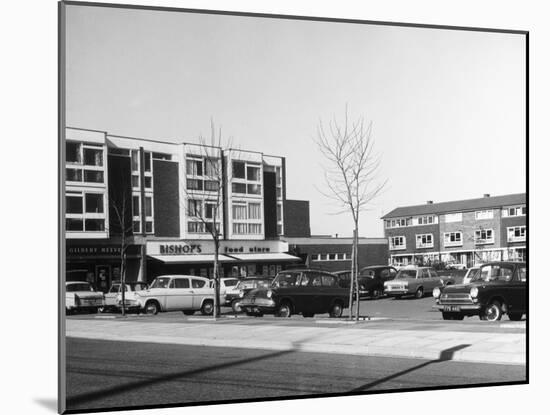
(504, 348)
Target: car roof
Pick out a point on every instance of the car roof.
(377, 266)
(77, 282)
(182, 276)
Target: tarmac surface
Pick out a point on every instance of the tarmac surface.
(500, 343)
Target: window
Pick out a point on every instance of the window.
(74, 204)
(453, 217)
(315, 257)
(194, 207)
(239, 228)
(135, 205)
(279, 212)
(211, 185)
(148, 206)
(484, 236)
(136, 228)
(239, 169)
(484, 214)
(328, 281)
(255, 228)
(198, 283)
(517, 233)
(210, 168)
(180, 283)
(239, 188)
(194, 184)
(209, 226)
(209, 210)
(93, 176)
(239, 212)
(452, 238)
(73, 175)
(94, 203)
(135, 180)
(135, 160)
(397, 223)
(148, 181)
(93, 157)
(424, 241)
(253, 189)
(253, 173)
(147, 157)
(340, 256)
(94, 224)
(73, 152)
(254, 211)
(514, 211)
(426, 220)
(195, 227)
(194, 167)
(74, 224)
(162, 156)
(397, 242)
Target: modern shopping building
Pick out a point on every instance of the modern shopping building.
(156, 201)
(464, 231)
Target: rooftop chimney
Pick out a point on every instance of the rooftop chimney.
(430, 202)
(486, 195)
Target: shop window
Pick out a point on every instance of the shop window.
(94, 203)
(239, 169)
(74, 224)
(74, 204)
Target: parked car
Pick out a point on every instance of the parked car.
(372, 278)
(234, 296)
(416, 281)
(307, 291)
(455, 265)
(81, 296)
(470, 274)
(187, 293)
(226, 285)
(111, 297)
(498, 288)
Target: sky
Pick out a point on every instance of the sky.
(447, 107)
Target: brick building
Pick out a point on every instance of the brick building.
(465, 231)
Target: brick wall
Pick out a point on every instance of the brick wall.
(296, 218)
(410, 232)
(508, 222)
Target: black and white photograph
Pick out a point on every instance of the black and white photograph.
(275, 207)
(262, 207)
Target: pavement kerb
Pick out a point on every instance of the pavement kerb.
(478, 347)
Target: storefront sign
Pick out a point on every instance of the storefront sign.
(179, 249)
(95, 250)
(207, 247)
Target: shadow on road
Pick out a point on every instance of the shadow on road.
(83, 398)
(444, 356)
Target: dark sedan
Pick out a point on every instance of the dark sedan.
(308, 292)
(234, 296)
(498, 288)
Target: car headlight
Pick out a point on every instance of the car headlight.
(474, 292)
(241, 293)
(269, 293)
(436, 292)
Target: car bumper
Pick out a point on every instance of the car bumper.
(396, 291)
(457, 308)
(258, 305)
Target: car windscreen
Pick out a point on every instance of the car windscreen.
(243, 285)
(495, 272)
(78, 287)
(285, 279)
(160, 282)
(231, 283)
(406, 273)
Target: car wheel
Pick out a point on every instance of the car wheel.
(336, 310)
(235, 306)
(493, 312)
(188, 312)
(207, 308)
(151, 308)
(375, 294)
(515, 316)
(419, 293)
(284, 310)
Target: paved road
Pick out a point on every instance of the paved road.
(107, 374)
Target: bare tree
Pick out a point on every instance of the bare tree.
(120, 203)
(204, 204)
(351, 178)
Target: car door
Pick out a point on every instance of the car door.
(329, 292)
(516, 290)
(301, 293)
(179, 294)
(431, 280)
(200, 289)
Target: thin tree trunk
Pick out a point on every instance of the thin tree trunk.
(352, 281)
(216, 280)
(356, 265)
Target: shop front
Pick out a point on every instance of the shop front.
(100, 264)
(235, 258)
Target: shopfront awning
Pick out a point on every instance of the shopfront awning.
(266, 257)
(191, 259)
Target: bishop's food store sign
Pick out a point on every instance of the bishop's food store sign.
(207, 247)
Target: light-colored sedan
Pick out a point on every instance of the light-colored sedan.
(111, 297)
(80, 296)
(187, 293)
(416, 281)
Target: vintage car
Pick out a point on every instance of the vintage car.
(498, 288)
(226, 285)
(111, 297)
(306, 291)
(186, 293)
(234, 296)
(415, 281)
(470, 274)
(80, 296)
(372, 278)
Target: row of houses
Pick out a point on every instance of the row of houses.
(158, 200)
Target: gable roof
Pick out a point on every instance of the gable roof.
(458, 206)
